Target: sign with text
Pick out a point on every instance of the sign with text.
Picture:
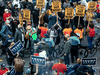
(20, 20)
(56, 6)
(69, 13)
(38, 60)
(92, 6)
(80, 10)
(40, 3)
(26, 15)
(16, 47)
(12, 72)
(89, 61)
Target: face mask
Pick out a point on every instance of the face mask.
(7, 12)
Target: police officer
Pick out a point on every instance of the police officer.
(74, 46)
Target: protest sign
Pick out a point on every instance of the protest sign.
(89, 61)
(40, 3)
(37, 60)
(56, 6)
(26, 15)
(20, 20)
(16, 47)
(92, 6)
(69, 13)
(80, 10)
(12, 72)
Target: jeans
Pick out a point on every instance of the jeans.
(41, 70)
(66, 58)
(90, 44)
(98, 15)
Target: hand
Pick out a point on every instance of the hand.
(43, 42)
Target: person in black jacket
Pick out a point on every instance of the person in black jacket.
(10, 57)
(89, 71)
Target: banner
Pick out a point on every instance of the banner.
(89, 61)
(40, 3)
(38, 60)
(80, 10)
(92, 6)
(69, 13)
(16, 47)
(56, 6)
(26, 15)
(20, 20)
(12, 72)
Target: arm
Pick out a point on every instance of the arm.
(36, 69)
(2, 31)
(80, 72)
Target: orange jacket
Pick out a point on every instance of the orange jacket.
(80, 32)
(67, 31)
(43, 31)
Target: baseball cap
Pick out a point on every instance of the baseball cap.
(78, 34)
(3, 65)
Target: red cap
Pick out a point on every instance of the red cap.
(36, 54)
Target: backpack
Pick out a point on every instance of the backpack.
(92, 32)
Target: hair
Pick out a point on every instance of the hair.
(61, 60)
(80, 27)
(79, 60)
(45, 25)
(56, 27)
(67, 25)
(91, 25)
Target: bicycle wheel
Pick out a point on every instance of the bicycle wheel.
(1, 52)
(54, 54)
(82, 53)
(93, 51)
(60, 52)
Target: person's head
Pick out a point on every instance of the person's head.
(9, 34)
(28, 28)
(63, 11)
(60, 60)
(67, 36)
(91, 25)
(16, 6)
(66, 1)
(56, 27)
(90, 71)
(45, 25)
(6, 11)
(3, 66)
(80, 27)
(40, 48)
(7, 22)
(67, 25)
(79, 60)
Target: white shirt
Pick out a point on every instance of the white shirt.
(43, 54)
(16, 2)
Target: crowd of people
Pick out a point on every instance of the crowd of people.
(46, 27)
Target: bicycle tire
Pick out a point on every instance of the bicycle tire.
(54, 54)
(93, 52)
(83, 53)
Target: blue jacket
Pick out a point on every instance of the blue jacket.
(8, 41)
(52, 20)
(4, 31)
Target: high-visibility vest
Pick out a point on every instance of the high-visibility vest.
(80, 32)
(67, 31)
